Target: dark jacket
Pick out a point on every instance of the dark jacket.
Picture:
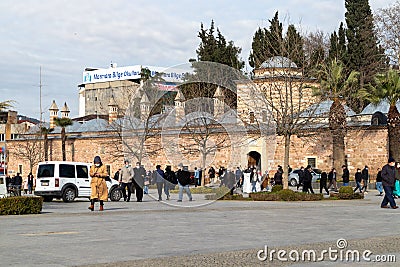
(365, 175)
(183, 177)
(301, 176)
(346, 176)
(17, 180)
(330, 176)
(278, 178)
(138, 177)
(358, 177)
(324, 178)
(379, 177)
(307, 176)
(388, 175)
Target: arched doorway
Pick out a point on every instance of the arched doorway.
(254, 159)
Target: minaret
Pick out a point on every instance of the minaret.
(219, 105)
(53, 114)
(112, 110)
(65, 111)
(179, 106)
(144, 107)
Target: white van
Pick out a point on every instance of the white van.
(3, 187)
(68, 180)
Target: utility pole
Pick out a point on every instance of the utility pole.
(40, 94)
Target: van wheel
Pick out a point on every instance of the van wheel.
(47, 199)
(115, 194)
(69, 195)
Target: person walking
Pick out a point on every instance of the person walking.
(307, 180)
(160, 179)
(170, 181)
(98, 185)
(345, 175)
(278, 176)
(31, 182)
(254, 179)
(301, 177)
(379, 182)
(332, 179)
(388, 179)
(211, 174)
(322, 183)
(358, 178)
(125, 180)
(196, 177)
(17, 182)
(183, 177)
(138, 181)
(365, 178)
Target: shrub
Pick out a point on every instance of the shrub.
(287, 195)
(276, 188)
(346, 190)
(350, 196)
(20, 205)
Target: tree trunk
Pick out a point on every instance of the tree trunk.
(338, 150)
(394, 132)
(63, 137)
(337, 125)
(203, 166)
(286, 162)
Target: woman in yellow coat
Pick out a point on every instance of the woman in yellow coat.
(98, 172)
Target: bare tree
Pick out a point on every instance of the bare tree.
(29, 146)
(387, 22)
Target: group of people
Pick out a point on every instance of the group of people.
(16, 184)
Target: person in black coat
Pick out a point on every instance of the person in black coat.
(322, 183)
(301, 177)
(138, 181)
(307, 180)
(365, 178)
(379, 182)
(278, 177)
(345, 175)
(388, 180)
(358, 178)
(332, 179)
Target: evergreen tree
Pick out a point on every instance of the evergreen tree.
(337, 49)
(294, 46)
(216, 49)
(363, 53)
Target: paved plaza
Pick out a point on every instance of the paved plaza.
(198, 233)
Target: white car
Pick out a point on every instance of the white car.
(294, 176)
(68, 180)
(3, 187)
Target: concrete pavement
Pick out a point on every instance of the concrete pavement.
(222, 233)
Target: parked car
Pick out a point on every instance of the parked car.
(3, 188)
(69, 180)
(294, 176)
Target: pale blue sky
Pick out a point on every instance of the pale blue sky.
(65, 36)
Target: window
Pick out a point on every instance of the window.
(46, 170)
(82, 171)
(14, 136)
(67, 170)
(2, 138)
(312, 161)
(20, 168)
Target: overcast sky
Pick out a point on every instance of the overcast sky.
(65, 37)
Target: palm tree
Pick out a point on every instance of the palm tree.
(5, 104)
(63, 122)
(45, 131)
(335, 85)
(387, 88)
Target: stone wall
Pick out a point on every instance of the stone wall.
(366, 146)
